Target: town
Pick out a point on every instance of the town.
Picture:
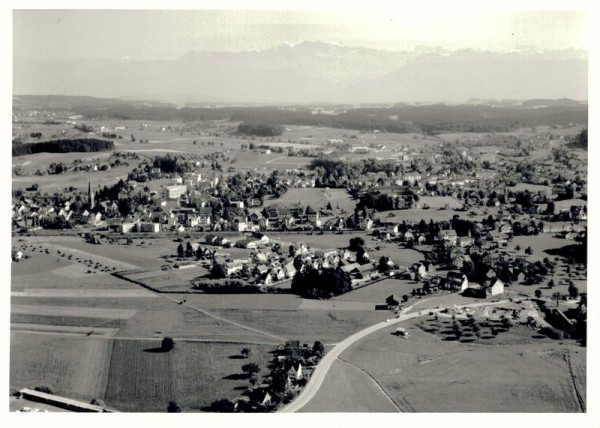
(301, 220)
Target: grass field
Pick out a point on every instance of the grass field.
(360, 392)
(58, 182)
(317, 198)
(379, 291)
(48, 272)
(327, 326)
(193, 374)
(512, 373)
(74, 367)
(437, 202)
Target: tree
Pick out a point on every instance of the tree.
(246, 352)
(551, 284)
(556, 296)
(383, 264)
(529, 251)
(318, 349)
(218, 271)
(538, 293)
(356, 244)
(167, 344)
(573, 291)
(518, 248)
(189, 250)
(180, 251)
(456, 327)
(327, 282)
(222, 406)
(251, 369)
(173, 407)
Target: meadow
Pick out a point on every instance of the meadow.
(425, 373)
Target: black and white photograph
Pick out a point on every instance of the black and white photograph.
(349, 210)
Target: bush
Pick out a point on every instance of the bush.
(167, 344)
(43, 388)
(173, 407)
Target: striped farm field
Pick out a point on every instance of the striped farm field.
(75, 367)
(194, 374)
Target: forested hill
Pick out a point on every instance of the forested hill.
(63, 146)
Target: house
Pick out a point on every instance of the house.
(496, 288)
(482, 291)
(175, 192)
(487, 259)
(261, 237)
(247, 243)
(148, 227)
(312, 216)
(289, 269)
(457, 280)
(448, 236)
(232, 267)
(465, 241)
(204, 216)
(267, 399)
(457, 261)
(392, 229)
(408, 236)
(295, 373)
(365, 224)
(497, 237)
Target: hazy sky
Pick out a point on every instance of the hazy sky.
(152, 34)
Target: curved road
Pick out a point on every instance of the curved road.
(317, 378)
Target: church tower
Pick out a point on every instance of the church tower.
(90, 196)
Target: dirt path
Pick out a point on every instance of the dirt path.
(220, 318)
(580, 399)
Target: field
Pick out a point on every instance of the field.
(74, 367)
(379, 291)
(317, 198)
(509, 373)
(142, 378)
(437, 202)
(327, 326)
(360, 392)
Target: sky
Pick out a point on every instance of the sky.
(156, 34)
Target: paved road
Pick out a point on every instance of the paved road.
(317, 378)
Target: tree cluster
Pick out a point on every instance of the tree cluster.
(315, 283)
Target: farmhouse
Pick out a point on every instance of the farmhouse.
(482, 291)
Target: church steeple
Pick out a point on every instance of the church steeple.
(90, 196)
